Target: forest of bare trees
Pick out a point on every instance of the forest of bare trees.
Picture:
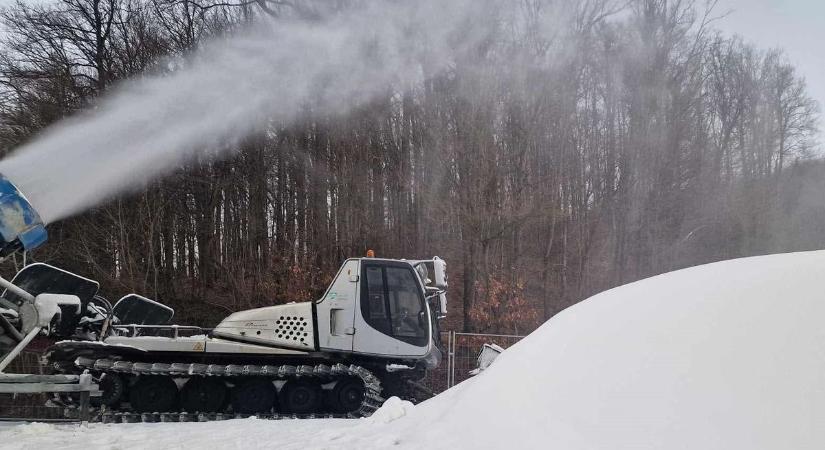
(636, 140)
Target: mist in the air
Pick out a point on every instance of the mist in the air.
(149, 127)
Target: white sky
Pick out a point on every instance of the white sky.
(796, 26)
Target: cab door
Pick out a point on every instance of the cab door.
(392, 318)
(335, 311)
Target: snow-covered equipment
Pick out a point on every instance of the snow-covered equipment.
(21, 229)
(32, 306)
(329, 356)
(40, 314)
(488, 354)
(334, 355)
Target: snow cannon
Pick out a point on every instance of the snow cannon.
(21, 228)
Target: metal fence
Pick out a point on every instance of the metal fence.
(461, 356)
(16, 406)
(462, 351)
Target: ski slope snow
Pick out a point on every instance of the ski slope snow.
(724, 356)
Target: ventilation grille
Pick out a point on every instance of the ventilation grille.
(292, 328)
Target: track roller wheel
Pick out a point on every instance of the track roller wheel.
(301, 397)
(203, 395)
(253, 396)
(112, 387)
(347, 395)
(154, 394)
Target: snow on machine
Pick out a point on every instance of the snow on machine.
(26, 313)
(373, 334)
(20, 229)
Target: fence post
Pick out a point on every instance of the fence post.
(449, 360)
(85, 384)
(451, 383)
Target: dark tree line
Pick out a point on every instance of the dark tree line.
(634, 141)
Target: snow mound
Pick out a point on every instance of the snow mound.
(393, 409)
(727, 356)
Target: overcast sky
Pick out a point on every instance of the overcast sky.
(796, 26)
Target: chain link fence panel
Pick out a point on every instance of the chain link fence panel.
(28, 406)
(461, 357)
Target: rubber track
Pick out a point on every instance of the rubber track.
(372, 393)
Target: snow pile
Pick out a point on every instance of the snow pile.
(728, 356)
(724, 356)
(393, 409)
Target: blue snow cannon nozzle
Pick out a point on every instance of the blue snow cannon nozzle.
(20, 225)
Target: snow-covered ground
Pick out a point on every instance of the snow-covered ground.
(723, 356)
(367, 433)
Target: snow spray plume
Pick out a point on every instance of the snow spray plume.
(150, 127)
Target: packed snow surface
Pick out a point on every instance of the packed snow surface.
(723, 356)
